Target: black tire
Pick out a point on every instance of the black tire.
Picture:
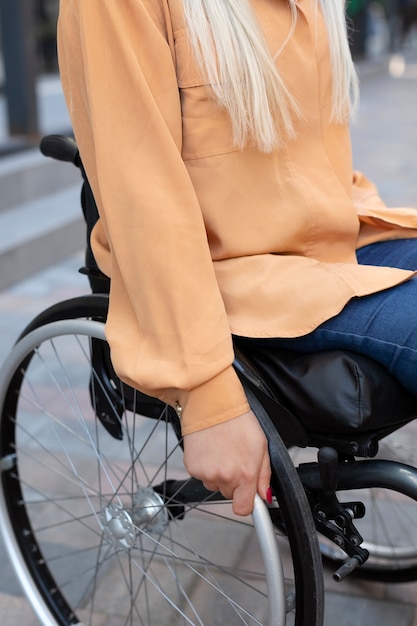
(295, 516)
(89, 306)
(62, 525)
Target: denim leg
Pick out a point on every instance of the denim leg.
(382, 326)
(400, 253)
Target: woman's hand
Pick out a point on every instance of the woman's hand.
(231, 457)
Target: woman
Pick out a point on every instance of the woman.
(215, 137)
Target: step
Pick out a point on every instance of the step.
(40, 233)
(29, 175)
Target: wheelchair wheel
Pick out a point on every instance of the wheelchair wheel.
(109, 527)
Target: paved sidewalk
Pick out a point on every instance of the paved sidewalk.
(384, 146)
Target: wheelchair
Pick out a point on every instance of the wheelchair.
(104, 526)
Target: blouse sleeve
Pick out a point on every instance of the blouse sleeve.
(377, 221)
(167, 327)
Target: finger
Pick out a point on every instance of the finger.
(264, 477)
(226, 492)
(210, 486)
(243, 499)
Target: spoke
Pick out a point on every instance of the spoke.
(68, 477)
(90, 571)
(80, 413)
(168, 554)
(145, 571)
(84, 492)
(391, 540)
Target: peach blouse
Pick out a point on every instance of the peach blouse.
(202, 240)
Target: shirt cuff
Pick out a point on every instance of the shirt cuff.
(218, 400)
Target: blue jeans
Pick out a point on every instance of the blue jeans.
(382, 326)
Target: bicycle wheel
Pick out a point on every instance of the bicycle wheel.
(103, 528)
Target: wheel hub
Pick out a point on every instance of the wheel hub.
(149, 514)
(118, 526)
(149, 511)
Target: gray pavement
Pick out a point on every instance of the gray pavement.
(384, 146)
(39, 195)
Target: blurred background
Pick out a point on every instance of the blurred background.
(378, 26)
(28, 72)
(28, 57)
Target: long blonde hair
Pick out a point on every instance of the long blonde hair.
(232, 52)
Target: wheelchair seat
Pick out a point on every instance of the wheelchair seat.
(334, 394)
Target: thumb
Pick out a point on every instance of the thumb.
(264, 479)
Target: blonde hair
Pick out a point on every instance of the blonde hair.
(232, 52)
